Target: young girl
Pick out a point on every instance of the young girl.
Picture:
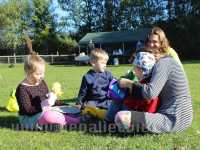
(31, 92)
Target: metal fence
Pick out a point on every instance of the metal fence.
(52, 59)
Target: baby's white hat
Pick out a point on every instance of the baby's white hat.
(145, 61)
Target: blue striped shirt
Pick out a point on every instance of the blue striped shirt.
(170, 83)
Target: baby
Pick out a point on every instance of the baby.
(142, 67)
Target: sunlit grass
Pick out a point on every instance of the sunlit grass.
(70, 78)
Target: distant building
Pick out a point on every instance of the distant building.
(126, 41)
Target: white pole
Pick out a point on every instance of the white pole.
(15, 61)
(51, 58)
(8, 59)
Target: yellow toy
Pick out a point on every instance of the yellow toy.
(12, 105)
(94, 111)
(52, 96)
(56, 89)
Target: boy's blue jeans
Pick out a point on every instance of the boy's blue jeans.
(113, 109)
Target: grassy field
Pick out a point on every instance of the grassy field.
(70, 78)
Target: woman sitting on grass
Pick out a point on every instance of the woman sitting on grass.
(169, 82)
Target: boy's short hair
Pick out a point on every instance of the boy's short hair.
(98, 54)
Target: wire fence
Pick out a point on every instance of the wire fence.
(52, 59)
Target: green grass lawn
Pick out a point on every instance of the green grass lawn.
(70, 78)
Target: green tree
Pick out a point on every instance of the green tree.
(25, 22)
(43, 26)
(80, 15)
(13, 18)
(111, 15)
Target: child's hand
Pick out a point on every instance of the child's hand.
(50, 101)
(125, 83)
(78, 106)
(52, 98)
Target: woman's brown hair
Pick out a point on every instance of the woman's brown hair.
(164, 43)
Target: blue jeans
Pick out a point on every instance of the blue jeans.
(29, 122)
(113, 109)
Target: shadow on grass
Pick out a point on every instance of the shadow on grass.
(69, 101)
(93, 128)
(8, 121)
(191, 62)
(118, 134)
(97, 127)
(3, 109)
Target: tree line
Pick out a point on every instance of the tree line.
(37, 19)
(32, 22)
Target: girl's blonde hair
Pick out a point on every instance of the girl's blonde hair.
(164, 43)
(98, 54)
(31, 62)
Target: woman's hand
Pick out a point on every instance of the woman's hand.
(125, 83)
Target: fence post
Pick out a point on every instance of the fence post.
(15, 61)
(8, 60)
(52, 59)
